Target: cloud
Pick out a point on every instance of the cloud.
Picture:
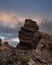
(10, 22)
(10, 19)
(15, 39)
(2, 37)
(46, 26)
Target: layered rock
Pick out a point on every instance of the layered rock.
(29, 34)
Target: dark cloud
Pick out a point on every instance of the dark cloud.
(46, 26)
(9, 32)
(7, 29)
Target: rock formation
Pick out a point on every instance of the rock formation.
(35, 47)
(41, 43)
(29, 35)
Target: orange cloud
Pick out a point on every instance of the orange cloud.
(11, 19)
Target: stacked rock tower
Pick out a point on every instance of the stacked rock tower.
(29, 34)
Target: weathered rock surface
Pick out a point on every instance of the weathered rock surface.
(35, 47)
(29, 35)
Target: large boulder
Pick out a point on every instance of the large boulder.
(29, 34)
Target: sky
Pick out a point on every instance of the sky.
(14, 12)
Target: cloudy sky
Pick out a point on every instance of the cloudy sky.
(14, 12)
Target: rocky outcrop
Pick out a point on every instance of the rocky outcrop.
(41, 43)
(29, 35)
(35, 47)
